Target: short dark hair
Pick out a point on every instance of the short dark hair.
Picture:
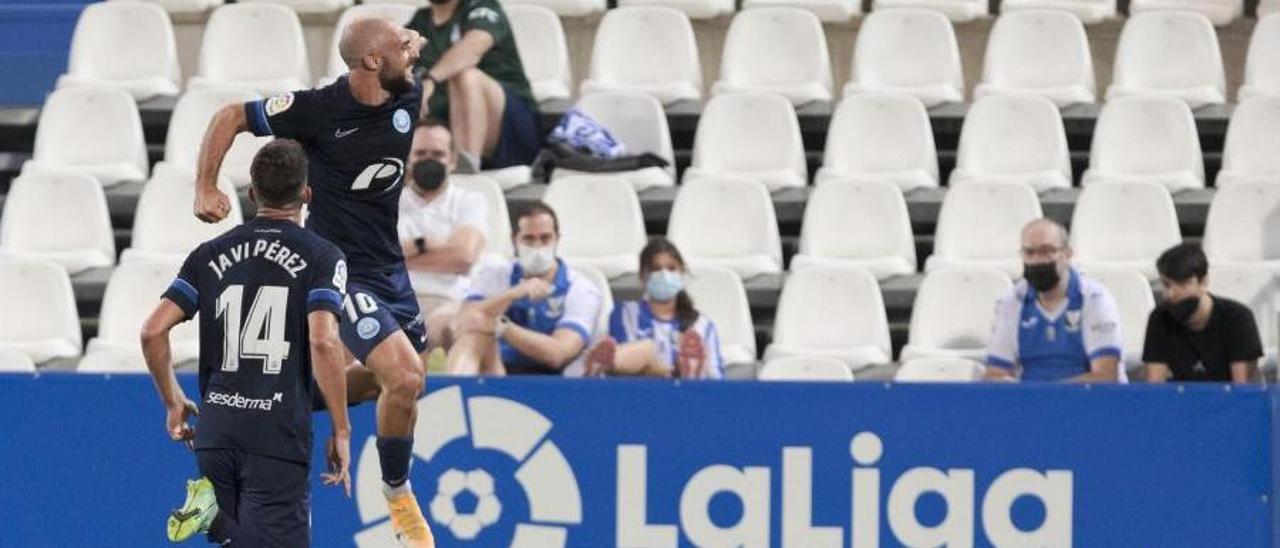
(279, 173)
(1183, 262)
(536, 208)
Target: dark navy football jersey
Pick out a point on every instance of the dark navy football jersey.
(356, 162)
(253, 288)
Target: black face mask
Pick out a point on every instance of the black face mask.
(1182, 310)
(428, 175)
(1042, 277)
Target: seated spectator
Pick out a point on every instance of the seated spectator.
(1194, 335)
(474, 79)
(1054, 324)
(531, 316)
(662, 335)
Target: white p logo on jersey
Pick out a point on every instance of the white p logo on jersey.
(384, 175)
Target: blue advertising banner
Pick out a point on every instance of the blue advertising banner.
(551, 462)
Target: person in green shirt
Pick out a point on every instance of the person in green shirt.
(474, 79)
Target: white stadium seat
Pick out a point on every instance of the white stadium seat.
(1256, 288)
(1268, 7)
(1249, 153)
(805, 368)
(953, 314)
(776, 50)
(131, 295)
(1039, 52)
(638, 122)
(187, 126)
(958, 11)
(1169, 53)
(1219, 12)
(1123, 225)
(499, 241)
(184, 7)
(163, 226)
(1134, 299)
(939, 370)
(753, 136)
(541, 43)
(396, 13)
(1088, 11)
(908, 51)
(1262, 63)
(125, 45)
(14, 361)
(1013, 139)
(561, 8)
(646, 49)
(600, 222)
(96, 131)
(307, 6)
(1146, 139)
(862, 224)
(695, 9)
(235, 40)
(828, 11)
(1243, 225)
(414, 3)
(727, 223)
(41, 319)
(880, 137)
(58, 217)
(718, 293)
(980, 225)
(601, 328)
(832, 312)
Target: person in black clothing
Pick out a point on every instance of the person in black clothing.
(1194, 335)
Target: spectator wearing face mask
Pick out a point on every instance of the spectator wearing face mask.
(662, 335)
(1055, 324)
(1194, 335)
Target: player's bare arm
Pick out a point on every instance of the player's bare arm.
(212, 205)
(157, 353)
(329, 365)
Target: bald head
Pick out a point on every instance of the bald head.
(366, 36)
(1044, 231)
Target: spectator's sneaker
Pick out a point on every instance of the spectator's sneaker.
(601, 357)
(407, 521)
(692, 355)
(196, 513)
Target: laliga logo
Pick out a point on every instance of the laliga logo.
(487, 423)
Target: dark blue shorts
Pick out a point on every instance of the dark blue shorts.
(268, 499)
(379, 303)
(521, 136)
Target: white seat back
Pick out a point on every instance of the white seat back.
(776, 50)
(1249, 153)
(726, 223)
(1088, 11)
(129, 45)
(92, 130)
(1219, 12)
(881, 137)
(191, 117)
(830, 308)
(235, 39)
(695, 9)
(718, 293)
(1040, 52)
(1243, 225)
(600, 222)
(132, 293)
(862, 224)
(981, 225)
(541, 43)
(750, 135)
(499, 240)
(953, 313)
(1008, 138)
(635, 119)
(1262, 64)
(1152, 139)
(909, 51)
(42, 321)
(1172, 53)
(939, 370)
(1135, 300)
(163, 226)
(1123, 225)
(1257, 289)
(805, 368)
(58, 217)
(958, 11)
(646, 49)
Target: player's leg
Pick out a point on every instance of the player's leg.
(275, 503)
(476, 104)
(221, 468)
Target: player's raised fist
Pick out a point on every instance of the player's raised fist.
(211, 205)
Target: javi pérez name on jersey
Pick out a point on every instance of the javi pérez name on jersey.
(272, 251)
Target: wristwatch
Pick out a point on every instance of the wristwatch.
(500, 327)
(421, 244)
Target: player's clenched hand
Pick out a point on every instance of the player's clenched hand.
(211, 205)
(176, 420)
(536, 289)
(339, 451)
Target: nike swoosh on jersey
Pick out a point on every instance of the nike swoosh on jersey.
(338, 133)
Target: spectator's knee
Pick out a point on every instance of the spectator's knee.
(468, 78)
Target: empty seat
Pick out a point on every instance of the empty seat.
(396, 13)
(776, 50)
(540, 42)
(41, 319)
(753, 136)
(562, 8)
(499, 241)
(1219, 12)
(953, 314)
(828, 11)
(1268, 7)
(805, 368)
(1243, 226)
(191, 117)
(638, 122)
(1146, 139)
(58, 217)
(235, 40)
(1249, 152)
(184, 7)
(1169, 53)
(1123, 225)
(980, 225)
(832, 312)
(1262, 63)
(695, 9)
(307, 6)
(1088, 11)
(880, 137)
(939, 370)
(727, 223)
(646, 49)
(718, 293)
(14, 361)
(96, 131)
(1135, 300)
(1256, 288)
(163, 226)
(908, 51)
(125, 45)
(132, 293)
(1013, 139)
(600, 222)
(1039, 52)
(864, 225)
(958, 11)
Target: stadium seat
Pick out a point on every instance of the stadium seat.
(832, 312)
(727, 223)
(695, 9)
(1123, 225)
(1256, 288)
(718, 293)
(42, 321)
(980, 225)
(646, 49)
(776, 50)
(14, 361)
(638, 122)
(562, 8)
(1268, 7)
(1169, 53)
(1146, 139)
(125, 45)
(753, 136)
(96, 131)
(1219, 12)
(307, 6)
(601, 328)
(1249, 152)
(864, 225)
(958, 11)
(1013, 139)
(414, 3)
(235, 39)
(191, 117)
(805, 368)
(600, 222)
(184, 7)
(1243, 226)
(1262, 63)
(1088, 11)
(541, 43)
(939, 370)
(880, 137)
(953, 313)
(132, 293)
(498, 243)
(164, 228)
(1134, 300)
(396, 13)
(1039, 52)
(58, 217)
(908, 51)
(827, 11)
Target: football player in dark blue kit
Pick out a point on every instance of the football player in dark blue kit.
(269, 294)
(356, 133)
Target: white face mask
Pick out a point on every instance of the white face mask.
(536, 261)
